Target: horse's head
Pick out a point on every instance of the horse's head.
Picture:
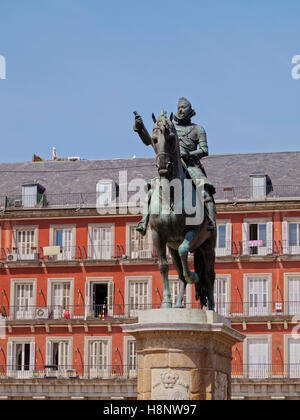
(165, 144)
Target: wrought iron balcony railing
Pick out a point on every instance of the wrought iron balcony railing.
(254, 308)
(250, 193)
(113, 253)
(266, 371)
(90, 199)
(262, 371)
(95, 371)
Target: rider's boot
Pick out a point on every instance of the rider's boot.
(143, 224)
(211, 209)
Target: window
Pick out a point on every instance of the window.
(130, 356)
(138, 294)
(257, 237)
(293, 284)
(291, 236)
(98, 356)
(20, 358)
(23, 298)
(258, 186)
(99, 298)
(32, 194)
(138, 246)
(258, 295)
(59, 354)
(294, 358)
(258, 358)
(224, 239)
(104, 193)
(221, 295)
(24, 301)
(64, 237)
(61, 298)
(101, 242)
(25, 242)
(60, 294)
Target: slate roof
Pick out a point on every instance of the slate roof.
(65, 177)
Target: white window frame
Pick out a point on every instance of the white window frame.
(287, 339)
(59, 314)
(101, 203)
(31, 198)
(141, 253)
(227, 251)
(261, 194)
(26, 228)
(60, 339)
(110, 226)
(268, 277)
(132, 373)
(110, 294)
(249, 338)
(11, 357)
(87, 342)
(227, 303)
(287, 248)
(262, 251)
(61, 256)
(296, 304)
(13, 309)
(133, 279)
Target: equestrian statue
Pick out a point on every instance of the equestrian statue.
(179, 149)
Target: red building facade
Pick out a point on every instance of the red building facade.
(69, 278)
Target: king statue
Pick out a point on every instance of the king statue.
(193, 147)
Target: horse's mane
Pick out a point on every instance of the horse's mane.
(164, 121)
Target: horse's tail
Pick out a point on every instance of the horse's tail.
(200, 269)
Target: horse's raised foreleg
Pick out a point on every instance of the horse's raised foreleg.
(178, 266)
(184, 249)
(163, 264)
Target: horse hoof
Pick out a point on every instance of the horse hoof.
(193, 278)
(179, 304)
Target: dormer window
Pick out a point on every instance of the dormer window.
(32, 194)
(258, 186)
(104, 193)
(106, 196)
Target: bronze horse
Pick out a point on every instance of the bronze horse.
(174, 229)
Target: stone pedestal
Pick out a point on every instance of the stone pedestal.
(183, 354)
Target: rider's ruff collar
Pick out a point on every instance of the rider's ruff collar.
(186, 119)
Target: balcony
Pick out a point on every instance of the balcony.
(88, 200)
(117, 254)
(240, 371)
(68, 372)
(251, 193)
(67, 313)
(258, 249)
(257, 308)
(265, 371)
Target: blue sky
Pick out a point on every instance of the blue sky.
(77, 69)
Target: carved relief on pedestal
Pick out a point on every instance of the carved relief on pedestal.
(170, 384)
(221, 386)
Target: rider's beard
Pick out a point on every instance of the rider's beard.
(186, 119)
